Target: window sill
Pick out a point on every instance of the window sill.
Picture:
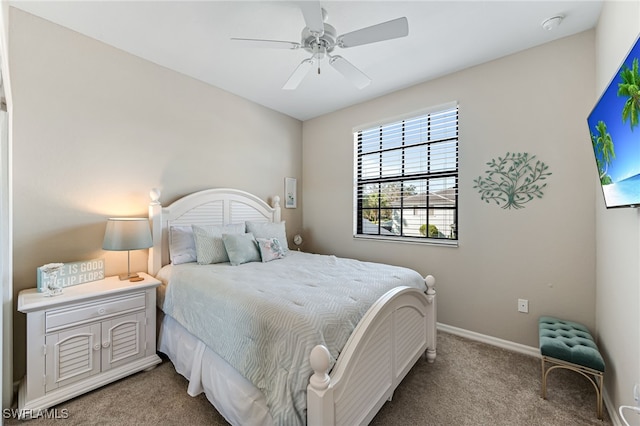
(409, 240)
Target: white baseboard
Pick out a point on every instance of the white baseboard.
(613, 412)
(494, 341)
(523, 349)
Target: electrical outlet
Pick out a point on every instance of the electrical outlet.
(523, 306)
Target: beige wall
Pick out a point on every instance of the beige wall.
(6, 238)
(534, 101)
(95, 129)
(617, 231)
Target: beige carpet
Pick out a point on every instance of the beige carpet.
(470, 383)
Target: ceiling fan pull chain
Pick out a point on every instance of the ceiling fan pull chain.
(316, 53)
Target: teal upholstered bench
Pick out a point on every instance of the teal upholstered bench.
(566, 344)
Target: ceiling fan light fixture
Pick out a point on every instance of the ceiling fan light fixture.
(552, 23)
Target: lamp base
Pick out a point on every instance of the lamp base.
(127, 276)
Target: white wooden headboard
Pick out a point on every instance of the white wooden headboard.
(219, 206)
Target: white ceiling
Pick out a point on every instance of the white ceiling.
(193, 38)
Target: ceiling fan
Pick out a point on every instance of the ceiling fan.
(320, 39)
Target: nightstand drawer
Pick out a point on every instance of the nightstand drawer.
(79, 314)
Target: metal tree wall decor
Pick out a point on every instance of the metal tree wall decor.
(513, 180)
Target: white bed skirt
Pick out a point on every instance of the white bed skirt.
(237, 399)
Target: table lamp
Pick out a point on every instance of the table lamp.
(127, 234)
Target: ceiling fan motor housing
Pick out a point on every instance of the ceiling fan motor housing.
(325, 43)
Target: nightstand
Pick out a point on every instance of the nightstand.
(90, 335)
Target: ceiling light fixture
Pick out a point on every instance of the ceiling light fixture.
(552, 23)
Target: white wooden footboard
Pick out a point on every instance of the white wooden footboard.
(394, 333)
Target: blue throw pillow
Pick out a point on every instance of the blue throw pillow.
(241, 248)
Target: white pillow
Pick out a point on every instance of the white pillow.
(209, 244)
(182, 246)
(269, 230)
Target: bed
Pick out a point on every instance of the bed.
(328, 377)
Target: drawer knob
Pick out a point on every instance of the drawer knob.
(105, 344)
(102, 311)
(96, 347)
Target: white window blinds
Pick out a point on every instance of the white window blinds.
(407, 177)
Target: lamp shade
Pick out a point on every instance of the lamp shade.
(127, 234)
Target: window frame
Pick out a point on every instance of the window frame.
(404, 176)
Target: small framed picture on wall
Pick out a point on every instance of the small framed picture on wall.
(290, 193)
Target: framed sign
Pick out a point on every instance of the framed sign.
(290, 193)
(68, 274)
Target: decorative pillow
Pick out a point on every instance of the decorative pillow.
(241, 248)
(269, 230)
(182, 246)
(209, 244)
(270, 249)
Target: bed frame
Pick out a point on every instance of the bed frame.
(398, 330)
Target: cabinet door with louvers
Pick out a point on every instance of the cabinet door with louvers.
(123, 340)
(72, 355)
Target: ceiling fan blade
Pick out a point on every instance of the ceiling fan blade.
(274, 44)
(312, 13)
(385, 31)
(349, 71)
(298, 75)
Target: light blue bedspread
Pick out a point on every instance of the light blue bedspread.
(264, 318)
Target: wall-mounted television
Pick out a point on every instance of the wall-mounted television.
(614, 126)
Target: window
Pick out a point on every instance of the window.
(407, 178)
